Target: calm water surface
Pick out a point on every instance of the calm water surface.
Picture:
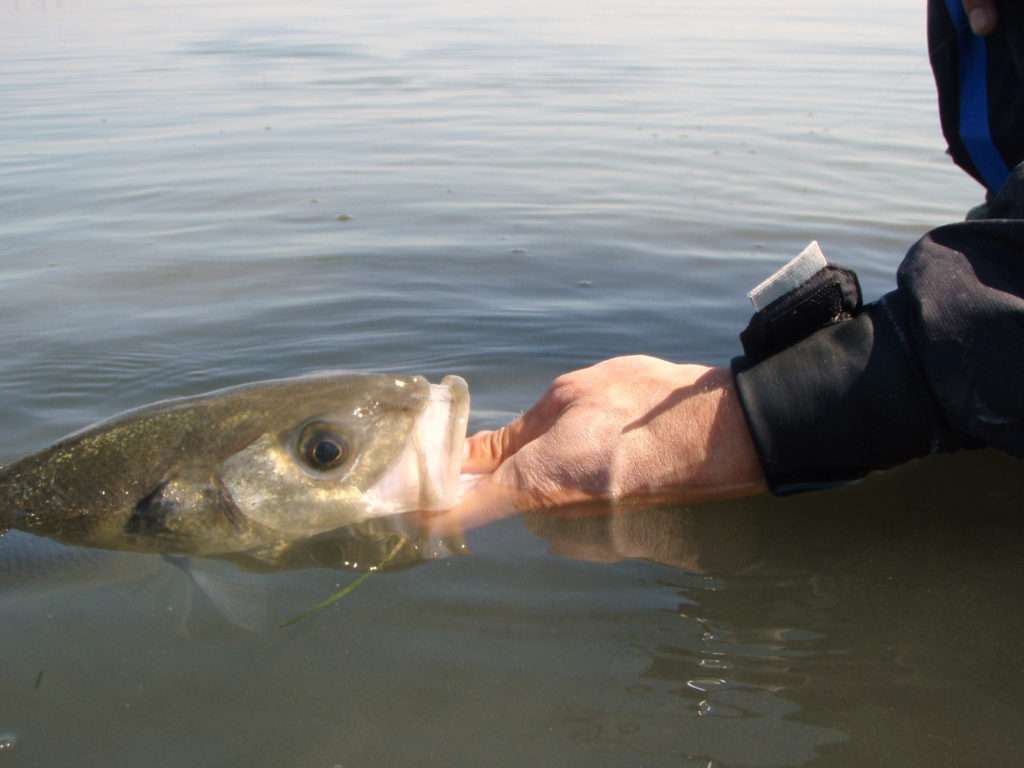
(201, 194)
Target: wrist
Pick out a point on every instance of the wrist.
(705, 448)
(731, 465)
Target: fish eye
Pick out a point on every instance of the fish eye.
(321, 448)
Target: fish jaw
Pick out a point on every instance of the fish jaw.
(426, 475)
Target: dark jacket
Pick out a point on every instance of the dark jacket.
(938, 364)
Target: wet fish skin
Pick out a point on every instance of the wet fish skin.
(238, 468)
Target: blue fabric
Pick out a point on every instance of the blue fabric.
(974, 127)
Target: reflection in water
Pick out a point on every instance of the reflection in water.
(698, 540)
(762, 632)
(236, 585)
(385, 543)
(855, 609)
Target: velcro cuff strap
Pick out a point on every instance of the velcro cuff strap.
(830, 295)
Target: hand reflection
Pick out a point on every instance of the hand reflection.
(724, 537)
(712, 538)
(718, 537)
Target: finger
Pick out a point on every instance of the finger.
(982, 16)
(485, 451)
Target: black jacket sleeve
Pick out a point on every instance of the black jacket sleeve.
(938, 364)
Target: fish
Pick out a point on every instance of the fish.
(253, 470)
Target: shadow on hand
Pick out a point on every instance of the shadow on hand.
(702, 384)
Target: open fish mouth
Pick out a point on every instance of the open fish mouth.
(426, 475)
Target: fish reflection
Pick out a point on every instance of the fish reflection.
(387, 543)
(235, 585)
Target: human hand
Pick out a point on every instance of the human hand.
(982, 15)
(626, 427)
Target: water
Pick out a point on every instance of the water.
(521, 190)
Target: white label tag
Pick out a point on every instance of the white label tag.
(800, 269)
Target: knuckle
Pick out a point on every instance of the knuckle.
(639, 360)
(626, 364)
(565, 380)
(565, 389)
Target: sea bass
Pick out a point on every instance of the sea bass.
(256, 467)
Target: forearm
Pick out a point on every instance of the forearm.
(935, 365)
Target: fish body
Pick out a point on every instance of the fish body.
(256, 467)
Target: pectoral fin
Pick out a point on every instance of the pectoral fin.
(239, 597)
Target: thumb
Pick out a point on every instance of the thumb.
(485, 451)
(981, 15)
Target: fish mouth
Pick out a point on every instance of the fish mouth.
(441, 434)
(426, 476)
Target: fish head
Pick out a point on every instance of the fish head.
(348, 453)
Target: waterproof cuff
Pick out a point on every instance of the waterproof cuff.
(829, 296)
(840, 403)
